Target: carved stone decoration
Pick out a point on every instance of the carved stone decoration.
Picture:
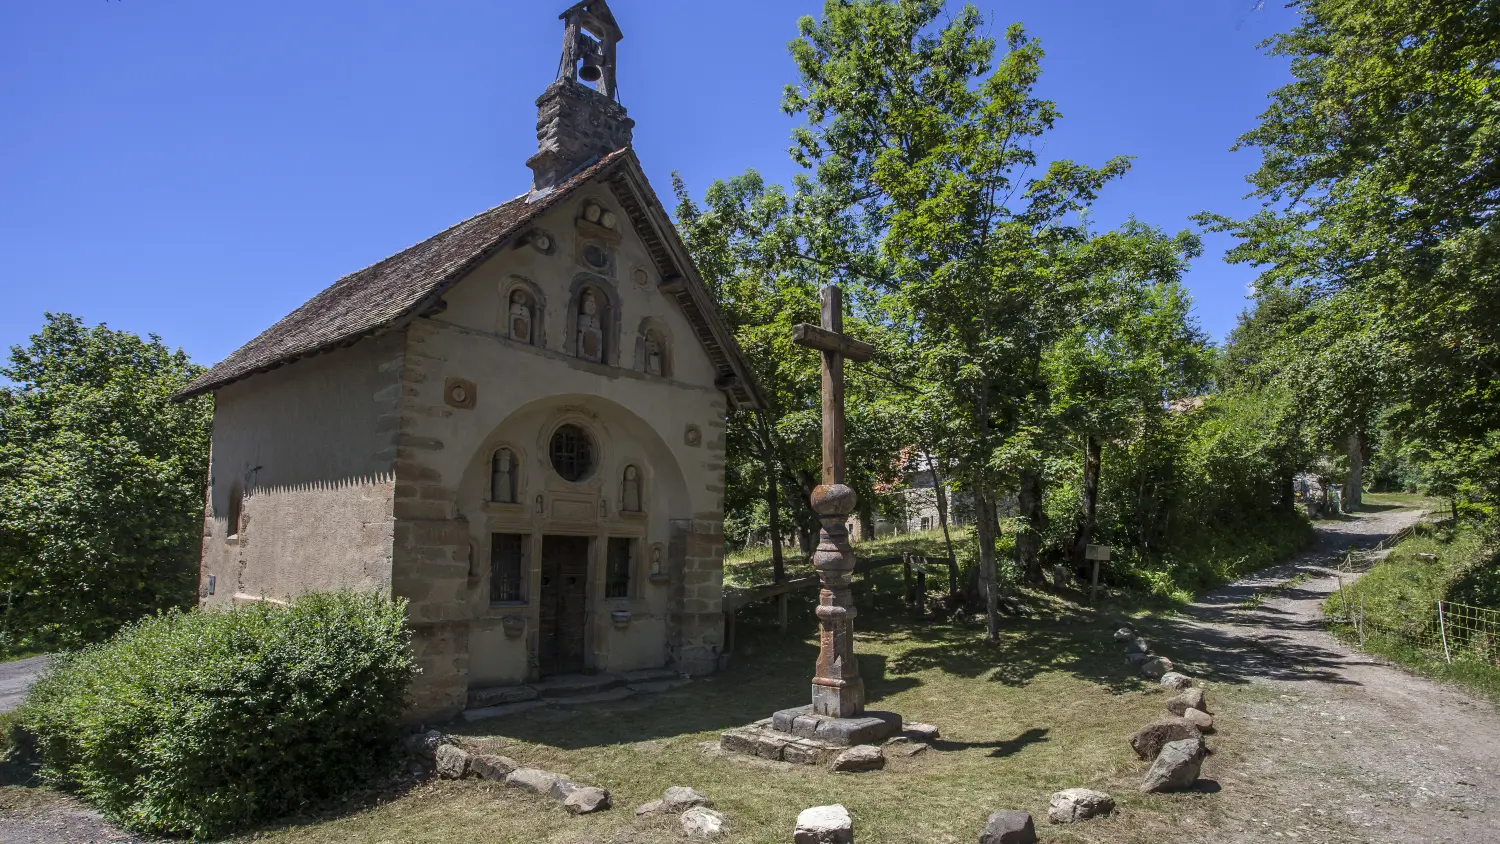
(590, 335)
(640, 276)
(693, 436)
(540, 241)
(459, 393)
(520, 318)
(503, 477)
(655, 355)
(658, 568)
(630, 491)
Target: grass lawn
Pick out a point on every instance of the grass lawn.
(1415, 500)
(752, 566)
(1047, 707)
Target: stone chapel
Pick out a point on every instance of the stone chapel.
(517, 425)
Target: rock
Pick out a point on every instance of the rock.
(587, 800)
(702, 823)
(1200, 719)
(1176, 681)
(1149, 740)
(651, 808)
(562, 789)
(1176, 768)
(424, 745)
(1137, 660)
(680, 798)
(920, 732)
(1124, 634)
(824, 825)
(1008, 827)
(908, 750)
(865, 757)
(492, 767)
(1156, 667)
(1137, 646)
(533, 780)
(1079, 804)
(452, 761)
(1189, 699)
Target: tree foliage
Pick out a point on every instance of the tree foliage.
(101, 483)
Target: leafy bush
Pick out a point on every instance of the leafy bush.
(201, 722)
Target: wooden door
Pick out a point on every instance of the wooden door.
(565, 568)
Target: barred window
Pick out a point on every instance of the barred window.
(572, 453)
(507, 567)
(617, 572)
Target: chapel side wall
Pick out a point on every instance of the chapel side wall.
(311, 446)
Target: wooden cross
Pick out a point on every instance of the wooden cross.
(830, 340)
(837, 690)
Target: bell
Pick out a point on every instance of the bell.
(590, 71)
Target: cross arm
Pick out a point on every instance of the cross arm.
(824, 340)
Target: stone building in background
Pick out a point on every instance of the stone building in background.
(516, 424)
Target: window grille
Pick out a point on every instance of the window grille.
(617, 572)
(507, 567)
(572, 453)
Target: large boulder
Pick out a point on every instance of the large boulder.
(680, 798)
(1079, 804)
(1148, 741)
(1123, 635)
(1175, 681)
(1176, 768)
(865, 757)
(1200, 719)
(452, 761)
(702, 823)
(424, 745)
(1137, 646)
(920, 732)
(587, 800)
(492, 767)
(532, 780)
(1156, 667)
(824, 825)
(1189, 699)
(1008, 826)
(1137, 660)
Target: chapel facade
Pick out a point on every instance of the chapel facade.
(517, 425)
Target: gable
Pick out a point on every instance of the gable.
(390, 293)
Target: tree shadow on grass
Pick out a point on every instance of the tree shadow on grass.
(998, 749)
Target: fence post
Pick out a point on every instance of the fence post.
(1443, 630)
(906, 575)
(1361, 618)
(921, 602)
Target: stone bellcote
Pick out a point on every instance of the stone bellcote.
(579, 116)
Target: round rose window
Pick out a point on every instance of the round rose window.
(572, 453)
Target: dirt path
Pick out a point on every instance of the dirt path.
(16, 677)
(1323, 743)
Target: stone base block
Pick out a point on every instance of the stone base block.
(873, 727)
(780, 747)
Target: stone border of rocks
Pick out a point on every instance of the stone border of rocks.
(452, 762)
(696, 814)
(1174, 744)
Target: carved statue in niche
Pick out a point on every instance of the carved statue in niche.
(590, 336)
(520, 317)
(503, 477)
(655, 357)
(630, 494)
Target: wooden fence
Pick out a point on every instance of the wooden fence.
(914, 576)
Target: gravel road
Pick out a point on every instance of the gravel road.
(15, 678)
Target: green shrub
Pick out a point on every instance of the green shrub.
(201, 722)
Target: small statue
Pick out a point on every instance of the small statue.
(520, 318)
(590, 338)
(502, 478)
(630, 496)
(653, 354)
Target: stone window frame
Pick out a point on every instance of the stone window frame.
(525, 570)
(519, 455)
(644, 472)
(234, 516)
(634, 544)
(609, 323)
(590, 426)
(538, 310)
(668, 361)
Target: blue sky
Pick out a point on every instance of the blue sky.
(199, 169)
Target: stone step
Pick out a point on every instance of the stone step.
(498, 695)
(650, 675)
(480, 713)
(608, 696)
(658, 686)
(576, 685)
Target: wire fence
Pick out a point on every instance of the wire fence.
(1445, 631)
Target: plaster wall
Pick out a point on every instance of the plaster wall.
(308, 448)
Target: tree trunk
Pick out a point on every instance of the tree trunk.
(987, 575)
(773, 514)
(1092, 458)
(1353, 490)
(942, 508)
(1029, 539)
(866, 521)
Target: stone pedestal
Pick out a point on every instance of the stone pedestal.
(804, 722)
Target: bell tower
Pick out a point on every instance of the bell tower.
(579, 116)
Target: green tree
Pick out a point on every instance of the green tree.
(101, 483)
(916, 126)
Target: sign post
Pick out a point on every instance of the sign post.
(1096, 554)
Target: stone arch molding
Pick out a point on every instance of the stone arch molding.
(659, 327)
(622, 437)
(525, 285)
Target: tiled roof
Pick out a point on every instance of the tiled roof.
(389, 291)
